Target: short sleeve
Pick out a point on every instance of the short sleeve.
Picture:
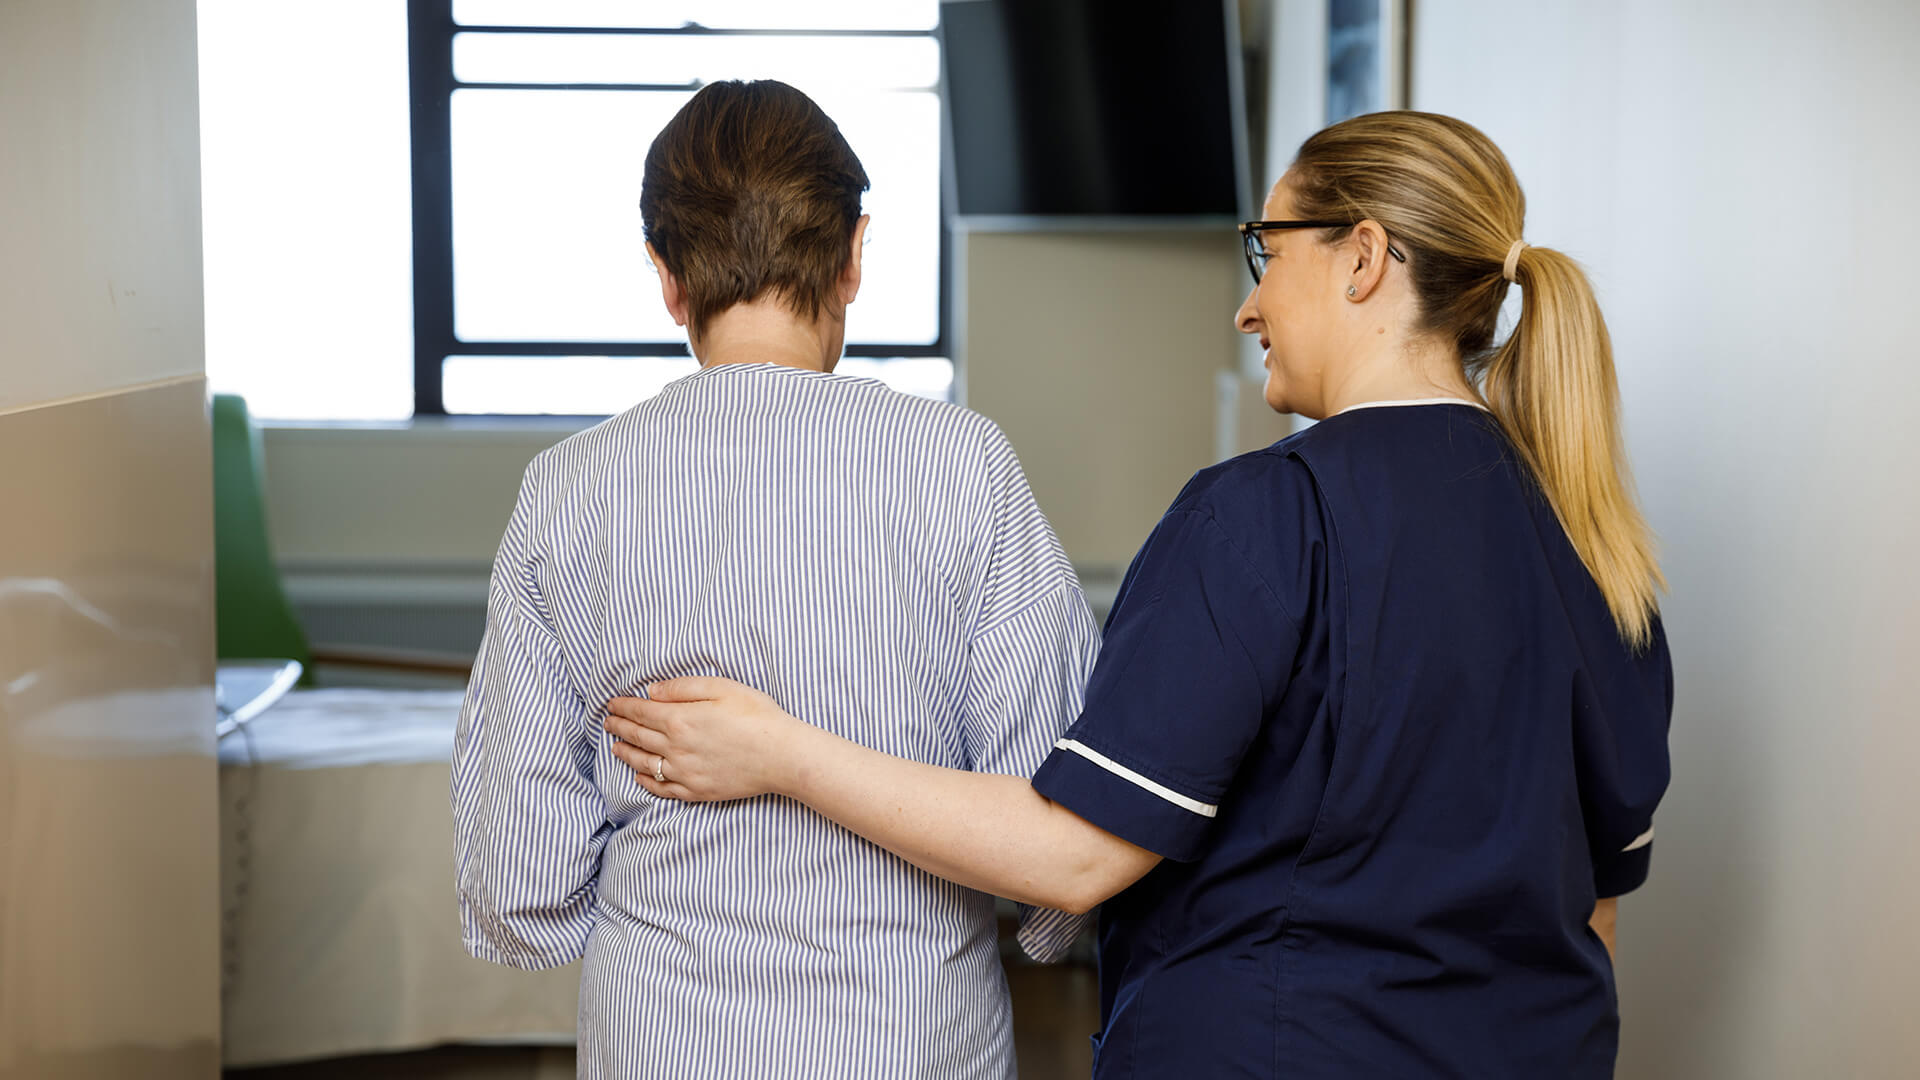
(1197, 653)
(1621, 720)
(1031, 641)
(1029, 654)
(1616, 873)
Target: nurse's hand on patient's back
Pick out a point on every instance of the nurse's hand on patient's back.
(712, 739)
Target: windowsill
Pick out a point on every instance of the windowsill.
(431, 427)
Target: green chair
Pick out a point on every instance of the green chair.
(254, 619)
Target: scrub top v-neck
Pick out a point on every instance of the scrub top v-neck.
(1361, 693)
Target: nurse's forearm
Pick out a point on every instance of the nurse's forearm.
(1606, 914)
(989, 832)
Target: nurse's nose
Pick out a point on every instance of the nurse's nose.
(1247, 319)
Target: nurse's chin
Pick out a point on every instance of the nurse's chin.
(1277, 398)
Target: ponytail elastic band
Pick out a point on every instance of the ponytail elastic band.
(1513, 260)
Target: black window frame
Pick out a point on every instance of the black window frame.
(430, 34)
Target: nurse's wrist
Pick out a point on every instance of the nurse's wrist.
(798, 758)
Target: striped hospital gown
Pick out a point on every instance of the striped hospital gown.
(875, 562)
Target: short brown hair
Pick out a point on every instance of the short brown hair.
(751, 189)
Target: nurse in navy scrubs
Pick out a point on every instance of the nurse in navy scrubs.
(1379, 723)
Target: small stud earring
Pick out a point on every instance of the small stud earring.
(1353, 290)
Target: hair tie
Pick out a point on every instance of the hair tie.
(1513, 260)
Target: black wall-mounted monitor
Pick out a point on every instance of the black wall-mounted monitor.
(1068, 110)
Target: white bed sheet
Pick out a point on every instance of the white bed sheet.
(340, 922)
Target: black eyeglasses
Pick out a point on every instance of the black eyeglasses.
(1257, 252)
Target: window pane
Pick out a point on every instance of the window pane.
(718, 14)
(546, 224)
(604, 385)
(547, 243)
(921, 376)
(306, 203)
(557, 385)
(878, 62)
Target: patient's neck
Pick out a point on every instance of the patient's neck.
(766, 331)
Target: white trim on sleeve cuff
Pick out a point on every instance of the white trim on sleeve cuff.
(1124, 773)
(1639, 842)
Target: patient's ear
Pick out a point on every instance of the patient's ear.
(671, 290)
(850, 275)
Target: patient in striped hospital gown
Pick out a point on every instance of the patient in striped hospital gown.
(873, 560)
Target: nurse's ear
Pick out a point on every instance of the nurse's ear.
(1364, 260)
(1365, 257)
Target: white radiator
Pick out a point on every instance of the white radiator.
(434, 609)
(440, 609)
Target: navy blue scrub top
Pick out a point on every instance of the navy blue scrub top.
(1361, 693)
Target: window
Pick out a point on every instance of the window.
(435, 209)
(532, 121)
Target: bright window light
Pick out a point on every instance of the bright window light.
(815, 64)
(557, 385)
(713, 14)
(547, 235)
(305, 176)
(603, 385)
(922, 376)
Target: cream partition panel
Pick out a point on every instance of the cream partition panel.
(109, 951)
(109, 892)
(1096, 352)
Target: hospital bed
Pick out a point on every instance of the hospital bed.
(340, 924)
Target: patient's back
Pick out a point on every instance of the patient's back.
(876, 563)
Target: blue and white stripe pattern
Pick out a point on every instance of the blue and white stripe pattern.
(875, 562)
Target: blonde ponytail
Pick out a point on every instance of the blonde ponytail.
(1445, 190)
(1552, 386)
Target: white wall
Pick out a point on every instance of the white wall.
(1739, 177)
(100, 170)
